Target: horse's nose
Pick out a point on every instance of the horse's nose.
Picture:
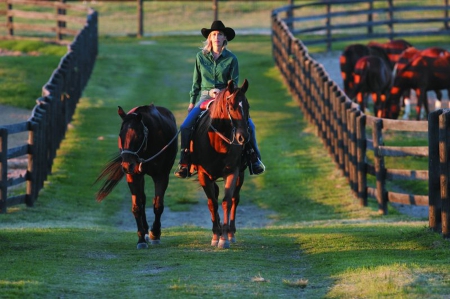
(241, 137)
(128, 167)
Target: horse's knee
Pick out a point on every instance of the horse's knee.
(158, 203)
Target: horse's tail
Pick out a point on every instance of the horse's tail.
(113, 174)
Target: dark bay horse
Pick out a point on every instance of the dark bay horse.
(148, 146)
(217, 152)
(372, 75)
(422, 71)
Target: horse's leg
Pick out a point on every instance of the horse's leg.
(438, 102)
(234, 204)
(136, 185)
(230, 186)
(407, 103)
(212, 193)
(419, 103)
(161, 184)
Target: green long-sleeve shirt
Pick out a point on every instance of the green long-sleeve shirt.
(210, 73)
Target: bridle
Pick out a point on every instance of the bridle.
(144, 142)
(233, 131)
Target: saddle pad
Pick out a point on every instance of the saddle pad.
(206, 103)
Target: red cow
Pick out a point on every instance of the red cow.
(421, 71)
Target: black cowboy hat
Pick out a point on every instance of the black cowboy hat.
(219, 26)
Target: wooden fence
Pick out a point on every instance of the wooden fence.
(49, 119)
(55, 21)
(328, 21)
(359, 155)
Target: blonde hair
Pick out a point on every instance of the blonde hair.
(207, 45)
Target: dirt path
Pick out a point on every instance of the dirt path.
(248, 216)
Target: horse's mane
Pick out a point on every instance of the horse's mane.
(216, 109)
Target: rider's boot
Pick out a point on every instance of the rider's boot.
(255, 164)
(183, 167)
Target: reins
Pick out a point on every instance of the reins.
(141, 160)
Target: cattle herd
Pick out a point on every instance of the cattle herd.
(388, 72)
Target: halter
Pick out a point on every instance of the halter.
(141, 160)
(233, 132)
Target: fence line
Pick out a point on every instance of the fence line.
(342, 126)
(343, 129)
(49, 119)
(55, 21)
(351, 20)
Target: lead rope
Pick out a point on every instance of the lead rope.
(158, 153)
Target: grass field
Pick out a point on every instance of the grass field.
(322, 244)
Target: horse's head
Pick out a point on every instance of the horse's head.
(132, 141)
(236, 110)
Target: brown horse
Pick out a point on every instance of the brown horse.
(422, 71)
(388, 51)
(372, 75)
(217, 152)
(148, 146)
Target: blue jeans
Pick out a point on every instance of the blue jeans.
(188, 124)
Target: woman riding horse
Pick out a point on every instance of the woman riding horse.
(215, 65)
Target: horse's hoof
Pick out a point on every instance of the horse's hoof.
(214, 243)
(231, 238)
(155, 242)
(224, 244)
(152, 239)
(142, 246)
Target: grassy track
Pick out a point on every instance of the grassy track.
(70, 246)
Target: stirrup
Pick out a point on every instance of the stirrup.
(182, 172)
(257, 167)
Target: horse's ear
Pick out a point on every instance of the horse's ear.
(230, 86)
(138, 117)
(244, 86)
(122, 113)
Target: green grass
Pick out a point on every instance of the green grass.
(322, 244)
(23, 75)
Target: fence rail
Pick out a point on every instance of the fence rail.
(55, 21)
(48, 122)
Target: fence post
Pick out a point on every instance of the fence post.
(446, 15)
(444, 151)
(360, 159)
(434, 199)
(215, 7)
(328, 25)
(289, 15)
(10, 21)
(370, 18)
(380, 171)
(31, 170)
(60, 24)
(3, 169)
(140, 18)
(391, 17)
